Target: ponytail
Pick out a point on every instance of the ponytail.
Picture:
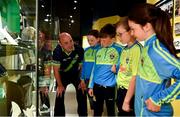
(160, 21)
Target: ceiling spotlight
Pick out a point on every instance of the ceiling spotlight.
(72, 21)
(46, 20)
(75, 1)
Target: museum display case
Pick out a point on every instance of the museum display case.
(28, 34)
(17, 54)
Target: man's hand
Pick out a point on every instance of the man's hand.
(60, 90)
(82, 86)
(151, 106)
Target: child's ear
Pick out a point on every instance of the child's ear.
(147, 27)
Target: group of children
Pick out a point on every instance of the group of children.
(134, 77)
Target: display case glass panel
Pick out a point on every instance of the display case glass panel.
(18, 32)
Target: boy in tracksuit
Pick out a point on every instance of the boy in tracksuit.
(88, 62)
(103, 79)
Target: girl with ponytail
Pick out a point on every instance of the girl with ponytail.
(158, 64)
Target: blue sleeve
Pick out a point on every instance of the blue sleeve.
(167, 95)
(120, 48)
(91, 81)
(178, 97)
(83, 72)
(167, 67)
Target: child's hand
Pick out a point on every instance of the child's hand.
(90, 92)
(126, 107)
(82, 86)
(151, 106)
(113, 68)
(122, 69)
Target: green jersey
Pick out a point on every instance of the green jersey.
(129, 63)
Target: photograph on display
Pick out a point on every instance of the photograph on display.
(177, 17)
(177, 8)
(177, 29)
(166, 5)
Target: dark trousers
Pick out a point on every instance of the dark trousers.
(80, 97)
(102, 94)
(121, 93)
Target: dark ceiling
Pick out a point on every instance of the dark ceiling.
(83, 12)
(91, 10)
(28, 7)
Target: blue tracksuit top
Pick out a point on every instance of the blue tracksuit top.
(88, 62)
(157, 67)
(104, 59)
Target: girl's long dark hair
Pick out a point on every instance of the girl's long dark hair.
(147, 13)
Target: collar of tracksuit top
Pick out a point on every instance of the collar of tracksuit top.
(150, 40)
(156, 68)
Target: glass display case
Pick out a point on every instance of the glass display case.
(48, 30)
(17, 54)
(28, 34)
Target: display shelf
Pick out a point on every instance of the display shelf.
(27, 44)
(7, 50)
(18, 71)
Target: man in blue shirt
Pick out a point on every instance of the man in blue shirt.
(67, 59)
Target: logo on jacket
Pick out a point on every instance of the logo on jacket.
(66, 59)
(98, 56)
(112, 56)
